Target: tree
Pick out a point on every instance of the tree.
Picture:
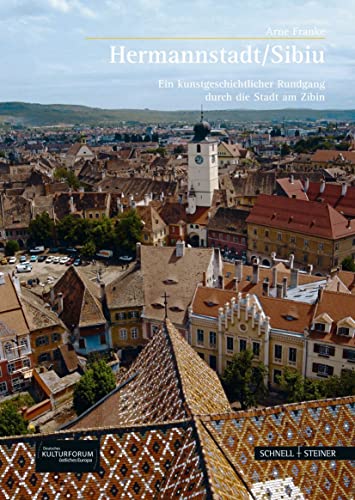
(89, 249)
(243, 380)
(68, 176)
(96, 382)
(285, 149)
(11, 422)
(41, 229)
(128, 231)
(348, 264)
(11, 247)
(292, 383)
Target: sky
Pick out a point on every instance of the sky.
(45, 57)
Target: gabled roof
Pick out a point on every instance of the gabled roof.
(293, 188)
(126, 290)
(37, 315)
(333, 155)
(305, 217)
(332, 195)
(151, 218)
(82, 306)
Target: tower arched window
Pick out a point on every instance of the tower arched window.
(198, 148)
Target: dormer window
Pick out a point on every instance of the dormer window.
(343, 330)
(319, 327)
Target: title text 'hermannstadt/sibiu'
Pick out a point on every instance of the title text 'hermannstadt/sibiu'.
(270, 54)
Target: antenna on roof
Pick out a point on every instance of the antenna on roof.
(165, 297)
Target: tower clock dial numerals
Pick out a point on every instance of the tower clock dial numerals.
(199, 159)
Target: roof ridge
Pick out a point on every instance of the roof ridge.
(206, 466)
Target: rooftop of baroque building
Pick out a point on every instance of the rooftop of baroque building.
(293, 215)
(172, 434)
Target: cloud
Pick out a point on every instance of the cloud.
(66, 6)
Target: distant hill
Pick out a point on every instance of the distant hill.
(28, 114)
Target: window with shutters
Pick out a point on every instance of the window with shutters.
(322, 370)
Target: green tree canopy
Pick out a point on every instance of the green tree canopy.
(128, 231)
(348, 264)
(11, 247)
(297, 388)
(68, 176)
(96, 382)
(243, 380)
(11, 422)
(41, 229)
(89, 250)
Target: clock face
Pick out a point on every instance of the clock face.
(198, 159)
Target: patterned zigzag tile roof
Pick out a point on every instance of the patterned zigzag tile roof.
(314, 423)
(168, 381)
(136, 463)
(175, 441)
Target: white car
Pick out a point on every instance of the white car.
(22, 268)
(49, 260)
(12, 260)
(63, 260)
(56, 260)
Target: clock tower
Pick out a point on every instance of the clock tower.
(202, 167)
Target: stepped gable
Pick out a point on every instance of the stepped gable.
(313, 423)
(167, 382)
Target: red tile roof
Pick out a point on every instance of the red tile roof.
(305, 217)
(332, 195)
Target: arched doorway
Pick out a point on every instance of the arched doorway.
(194, 240)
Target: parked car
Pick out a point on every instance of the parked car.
(3, 261)
(63, 260)
(56, 260)
(23, 268)
(77, 262)
(37, 250)
(42, 258)
(49, 259)
(23, 258)
(70, 261)
(12, 260)
(126, 258)
(33, 258)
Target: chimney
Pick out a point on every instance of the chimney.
(266, 288)
(306, 184)
(52, 296)
(146, 200)
(291, 260)
(320, 294)
(294, 278)
(60, 303)
(344, 188)
(279, 290)
(310, 268)
(256, 272)
(322, 186)
(180, 248)
(102, 291)
(138, 251)
(71, 205)
(239, 270)
(274, 277)
(284, 287)
(221, 281)
(292, 179)
(99, 189)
